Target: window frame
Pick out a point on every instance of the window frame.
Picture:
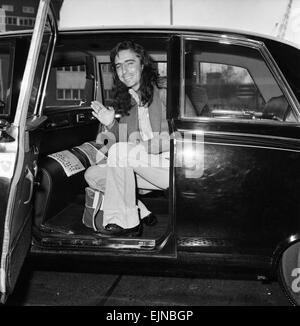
(101, 72)
(38, 103)
(266, 57)
(12, 48)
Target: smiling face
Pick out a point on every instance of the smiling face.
(129, 68)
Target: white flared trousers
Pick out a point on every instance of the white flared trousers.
(128, 167)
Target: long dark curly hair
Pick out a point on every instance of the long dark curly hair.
(149, 78)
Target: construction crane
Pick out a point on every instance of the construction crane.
(285, 20)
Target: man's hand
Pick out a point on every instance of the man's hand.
(103, 114)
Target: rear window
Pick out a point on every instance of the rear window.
(67, 86)
(81, 69)
(231, 82)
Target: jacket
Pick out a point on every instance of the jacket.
(157, 115)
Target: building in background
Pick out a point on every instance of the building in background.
(17, 15)
(20, 14)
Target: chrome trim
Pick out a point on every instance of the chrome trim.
(239, 120)
(251, 146)
(41, 90)
(29, 72)
(16, 33)
(254, 146)
(200, 242)
(188, 131)
(182, 77)
(45, 75)
(246, 135)
(228, 39)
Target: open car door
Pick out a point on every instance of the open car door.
(19, 149)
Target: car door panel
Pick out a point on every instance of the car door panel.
(68, 128)
(22, 151)
(242, 194)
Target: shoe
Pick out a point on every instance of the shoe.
(116, 230)
(150, 220)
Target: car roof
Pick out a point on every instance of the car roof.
(241, 34)
(179, 29)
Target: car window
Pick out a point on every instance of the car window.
(6, 59)
(231, 82)
(66, 86)
(71, 79)
(81, 70)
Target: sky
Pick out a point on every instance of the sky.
(261, 16)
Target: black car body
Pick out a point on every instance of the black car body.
(234, 174)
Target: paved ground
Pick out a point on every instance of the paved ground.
(40, 287)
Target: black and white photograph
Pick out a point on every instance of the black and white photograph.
(149, 155)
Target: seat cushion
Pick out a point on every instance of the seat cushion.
(61, 179)
(56, 190)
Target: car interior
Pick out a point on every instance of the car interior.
(81, 73)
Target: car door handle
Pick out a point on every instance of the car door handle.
(58, 124)
(189, 194)
(30, 177)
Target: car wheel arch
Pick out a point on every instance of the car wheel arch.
(286, 267)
